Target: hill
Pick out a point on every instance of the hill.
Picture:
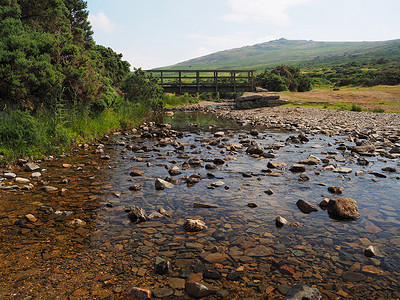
(301, 53)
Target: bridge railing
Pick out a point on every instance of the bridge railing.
(200, 81)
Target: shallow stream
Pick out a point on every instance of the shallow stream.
(242, 253)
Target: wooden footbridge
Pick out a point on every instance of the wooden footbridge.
(205, 81)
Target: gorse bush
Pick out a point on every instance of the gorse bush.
(355, 107)
(284, 78)
(140, 87)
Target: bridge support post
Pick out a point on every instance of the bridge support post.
(180, 82)
(198, 81)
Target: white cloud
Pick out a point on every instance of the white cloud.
(101, 22)
(262, 11)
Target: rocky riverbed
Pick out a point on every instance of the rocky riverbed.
(194, 205)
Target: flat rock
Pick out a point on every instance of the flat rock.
(135, 173)
(31, 167)
(9, 175)
(311, 160)
(258, 251)
(21, 180)
(276, 165)
(163, 292)
(353, 276)
(297, 168)
(343, 208)
(219, 134)
(344, 170)
(48, 188)
(216, 258)
(204, 205)
(36, 174)
(218, 183)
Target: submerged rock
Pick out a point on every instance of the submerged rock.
(343, 209)
(198, 290)
(303, 292)
(191, 225)
(162, 266)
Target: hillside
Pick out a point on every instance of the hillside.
(294, 52)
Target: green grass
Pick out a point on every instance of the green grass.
(179, 100)
(309, 54)
(23, 134)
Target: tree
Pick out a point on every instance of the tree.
(78, 17)
(114, 67)
(140, 87)
(284, 78)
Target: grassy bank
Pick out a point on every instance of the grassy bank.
(370, 99)
(34, 135)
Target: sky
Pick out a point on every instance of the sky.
(158, 33)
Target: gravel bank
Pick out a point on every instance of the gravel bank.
(309, 120)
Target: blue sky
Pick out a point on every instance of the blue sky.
(156, 33)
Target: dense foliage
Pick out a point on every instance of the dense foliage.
(283, 78)
(143, 88)
(373, 72)
(49, 56)
(56, 85)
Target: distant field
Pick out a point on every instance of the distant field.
(378, 98)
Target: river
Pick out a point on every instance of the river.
(241, 254)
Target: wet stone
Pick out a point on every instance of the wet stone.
(353, 276)
(306, 207)
(297, 168)
(199, 290)
(137, 294)
(343, 208)
(163, 292)
(301, 292)
(336, 189)
(162, 266)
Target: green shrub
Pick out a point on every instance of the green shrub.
(355, 107)
(378, 110)
(22, 133)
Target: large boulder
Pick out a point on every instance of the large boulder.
(258, 100)
(343, 209)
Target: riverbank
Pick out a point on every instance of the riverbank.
(308, 120)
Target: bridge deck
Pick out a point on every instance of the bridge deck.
(204, 81)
